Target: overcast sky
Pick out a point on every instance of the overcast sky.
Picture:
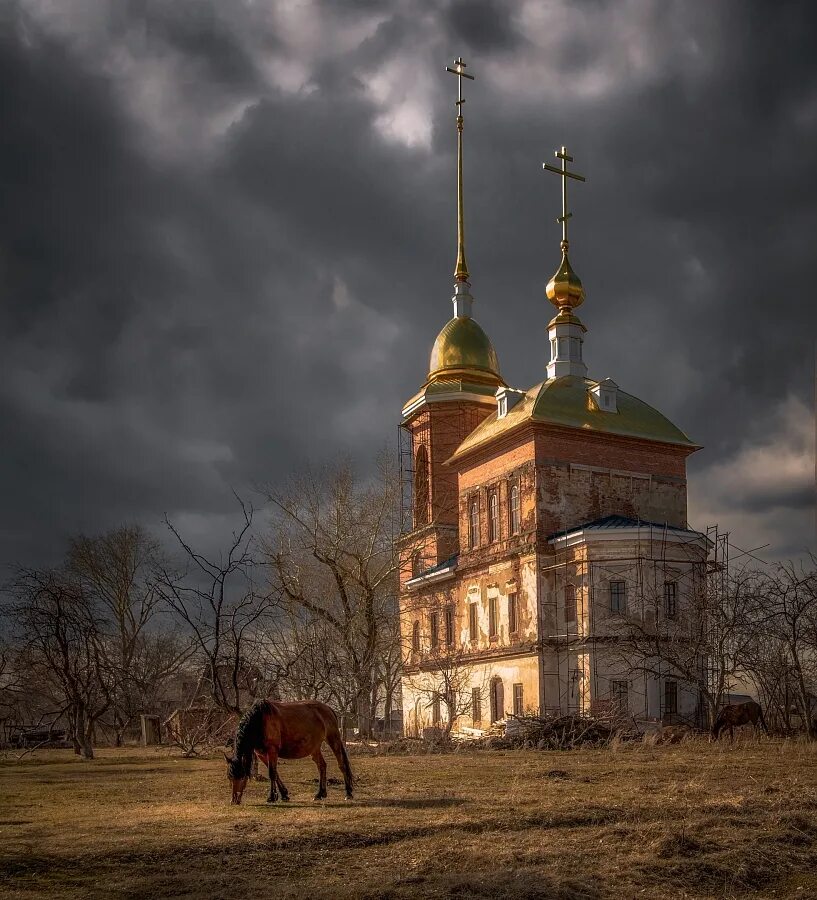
(227, 236)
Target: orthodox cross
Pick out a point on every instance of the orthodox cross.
(565, 158)
(461, 269)
(460, 72)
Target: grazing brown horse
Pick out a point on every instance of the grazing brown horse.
(736, 714)
(274, 731)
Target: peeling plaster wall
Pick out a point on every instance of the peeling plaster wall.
(418, 688)
(570, 495)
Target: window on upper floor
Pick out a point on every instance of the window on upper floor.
(514, 510)
(513, 612)
(671, 599)
(618, 597)
(473, 522)
(449, 626)
(434, 629)
(421, 487)
(416, 564)
(473, 624)
(493, 617)
(571, 611)
(415, 637)
(493, 516)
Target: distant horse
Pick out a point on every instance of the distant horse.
(737, 714)
(274, 731)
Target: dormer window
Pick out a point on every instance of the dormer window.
(506, 399)
(605, 394)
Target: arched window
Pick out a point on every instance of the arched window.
(514, 510)
(421, 487)
(415, 637)
(570, 603)
(416, 564)
(493, 517)
(473, 522)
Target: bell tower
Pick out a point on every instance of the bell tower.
(459, 392)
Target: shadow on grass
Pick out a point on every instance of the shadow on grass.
(369, 802)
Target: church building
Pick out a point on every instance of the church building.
(546, 523)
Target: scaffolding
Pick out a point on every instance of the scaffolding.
(643, 574)
(440, 428)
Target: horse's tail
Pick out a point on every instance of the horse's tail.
(346, 762)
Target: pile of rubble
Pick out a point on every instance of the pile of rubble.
(556, 733)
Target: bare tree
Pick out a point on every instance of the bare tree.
(445, 681)
(790, 614)
(703, 642)
(120, 569)
(220, 603)
(333, 560)
(61, 635)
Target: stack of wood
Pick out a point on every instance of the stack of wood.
(560, 732)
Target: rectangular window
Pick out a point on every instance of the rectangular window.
(618, 597)
(570, 603)
(670, 697)
(493, 611)
(671, 599)
(473, 632)
(473, 522)
(619, 694)
(415, 636)
(493, 516)
(449, 626)
(435, 711)
(518, 705)
(513, 613)
(514, 511)
(434, 623)
(476, 706)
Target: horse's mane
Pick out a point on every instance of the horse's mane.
(248, 733)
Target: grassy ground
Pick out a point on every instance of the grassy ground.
(687, 821)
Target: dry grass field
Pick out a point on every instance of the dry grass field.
(685, 821)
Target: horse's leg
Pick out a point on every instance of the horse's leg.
(336, 743)
(320, 762)
(282, 789)
(272, 763)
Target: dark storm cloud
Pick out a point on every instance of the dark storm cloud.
(226, 238)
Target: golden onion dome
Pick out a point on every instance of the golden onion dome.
(565, 289)
(463, 348)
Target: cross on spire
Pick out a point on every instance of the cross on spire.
(565, 158)
(460, 72)
(461, 269)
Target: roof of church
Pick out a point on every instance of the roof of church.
(608, 522)
(568, 401)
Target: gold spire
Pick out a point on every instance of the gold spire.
(461, 269)
(565, 289)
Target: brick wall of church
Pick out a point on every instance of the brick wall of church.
(569, 495)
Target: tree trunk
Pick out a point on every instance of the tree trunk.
(364, 712)
(387, 705)
(82, 733)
